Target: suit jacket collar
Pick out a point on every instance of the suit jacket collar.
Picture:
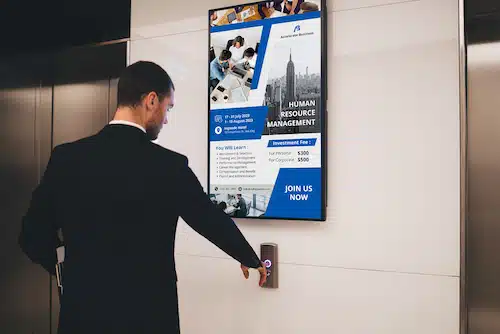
(128, 123)
(124, 130)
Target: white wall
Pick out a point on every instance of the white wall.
(387, 259)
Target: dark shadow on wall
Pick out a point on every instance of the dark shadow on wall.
(482, 21)
(32, 25)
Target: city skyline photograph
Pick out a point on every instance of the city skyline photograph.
(305, 55)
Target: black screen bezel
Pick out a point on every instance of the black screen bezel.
(323, 111)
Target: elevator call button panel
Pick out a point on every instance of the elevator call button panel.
(269, 256)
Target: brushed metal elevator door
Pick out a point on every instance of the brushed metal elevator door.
(80, 110)
(483, 231)
(25, 115)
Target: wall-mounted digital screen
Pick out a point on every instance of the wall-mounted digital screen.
(267, 125)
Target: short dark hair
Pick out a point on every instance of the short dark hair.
(240, 40)
(250, 52)
(309, 7)
(222, 205)
(140, 79)
(225, 55)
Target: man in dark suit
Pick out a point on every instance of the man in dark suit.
(117, 197)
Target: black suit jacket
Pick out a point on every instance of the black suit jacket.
(117, 198)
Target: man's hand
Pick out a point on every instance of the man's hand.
(262, 271)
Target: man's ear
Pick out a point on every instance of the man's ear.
(150, 100)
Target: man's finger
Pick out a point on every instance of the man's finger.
(263, 276)
(245, 271)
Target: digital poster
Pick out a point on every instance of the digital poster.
(266, 110)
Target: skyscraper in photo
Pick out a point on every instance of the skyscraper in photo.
(277, 90)
(290, 80)
(269, 93)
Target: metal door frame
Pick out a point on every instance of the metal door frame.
(463, 166)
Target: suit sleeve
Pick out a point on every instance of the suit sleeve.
(38, 238)
(205, 218)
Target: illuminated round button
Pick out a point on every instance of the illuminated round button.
(268, 263)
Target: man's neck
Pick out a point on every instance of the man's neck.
(127, 115)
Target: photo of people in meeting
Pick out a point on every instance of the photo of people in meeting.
(233, 55)
(241, 205)
(262, 10)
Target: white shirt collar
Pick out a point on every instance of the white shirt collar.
(128, 123)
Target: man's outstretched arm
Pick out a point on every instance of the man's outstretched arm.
(205, 218)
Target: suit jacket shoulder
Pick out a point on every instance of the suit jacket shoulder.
(65, 148)
(171, 157)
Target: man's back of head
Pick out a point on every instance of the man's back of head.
(145, 94)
